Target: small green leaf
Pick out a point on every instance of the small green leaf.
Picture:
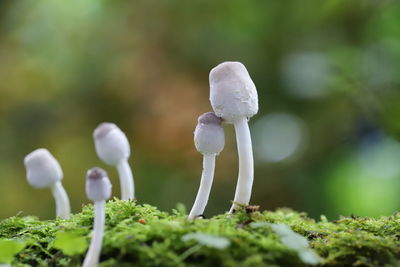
(211, 241)
(70, 243)
(8, 248)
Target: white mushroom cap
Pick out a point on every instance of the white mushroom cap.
(42, 169)
(233, 94)
(111, 143)
(98, 186)
(209, 135)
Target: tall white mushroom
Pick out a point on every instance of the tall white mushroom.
(98, 189)
(43, 170)
(234, 98)
(209, 140)
(113, 148)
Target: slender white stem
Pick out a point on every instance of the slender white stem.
(126, 180)
(93, 254)
(205, 186)
(246, 164)
(63, 208)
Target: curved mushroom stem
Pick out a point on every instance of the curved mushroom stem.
(126, 180)
(63, 208)
(205, 186)
(93, 254)
(246, 164)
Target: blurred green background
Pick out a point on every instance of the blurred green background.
(326, 138)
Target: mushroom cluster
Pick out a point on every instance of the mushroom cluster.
(112, 147)
(234, 100)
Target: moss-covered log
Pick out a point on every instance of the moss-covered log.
(141, 235)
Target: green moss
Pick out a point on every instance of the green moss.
(144, 236)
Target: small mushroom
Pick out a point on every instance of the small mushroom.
(233, 97)
(98, 189)
(112, 147)
(43, 170)
(209, 140)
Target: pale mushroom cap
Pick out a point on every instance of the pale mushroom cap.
(42, 169)
(111, 143)
(233, 94)
(98, 186)
(209, 135)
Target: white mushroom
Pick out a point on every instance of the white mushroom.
(43, 170)
(112, 147)
(233, 97)
(209, 140)
(98, 189)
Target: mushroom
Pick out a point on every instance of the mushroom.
(98, 189)
(112, 147)
(209, 140)
(233, 97)
(43, 170)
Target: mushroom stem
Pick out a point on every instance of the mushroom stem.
(93, 254)
(205, 186)
(246, 164)
(126, 180)
(63, 208)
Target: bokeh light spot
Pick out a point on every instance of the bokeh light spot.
(278, 136)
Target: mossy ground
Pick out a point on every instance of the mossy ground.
(141, 235)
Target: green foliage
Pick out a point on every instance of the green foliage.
(8, 248)
(144, 236)
(70, 243)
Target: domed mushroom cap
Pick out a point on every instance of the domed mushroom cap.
(98, 186)
(111, 143)
(42, 169)
(233, 94)
(209, 135)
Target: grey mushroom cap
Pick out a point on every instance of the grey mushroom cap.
(112, 145)
(103, 129)
(98, 186)
(96, 173)
(209, 135)
(42, 169)
(233, 94)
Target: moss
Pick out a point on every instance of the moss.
(144, 236)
